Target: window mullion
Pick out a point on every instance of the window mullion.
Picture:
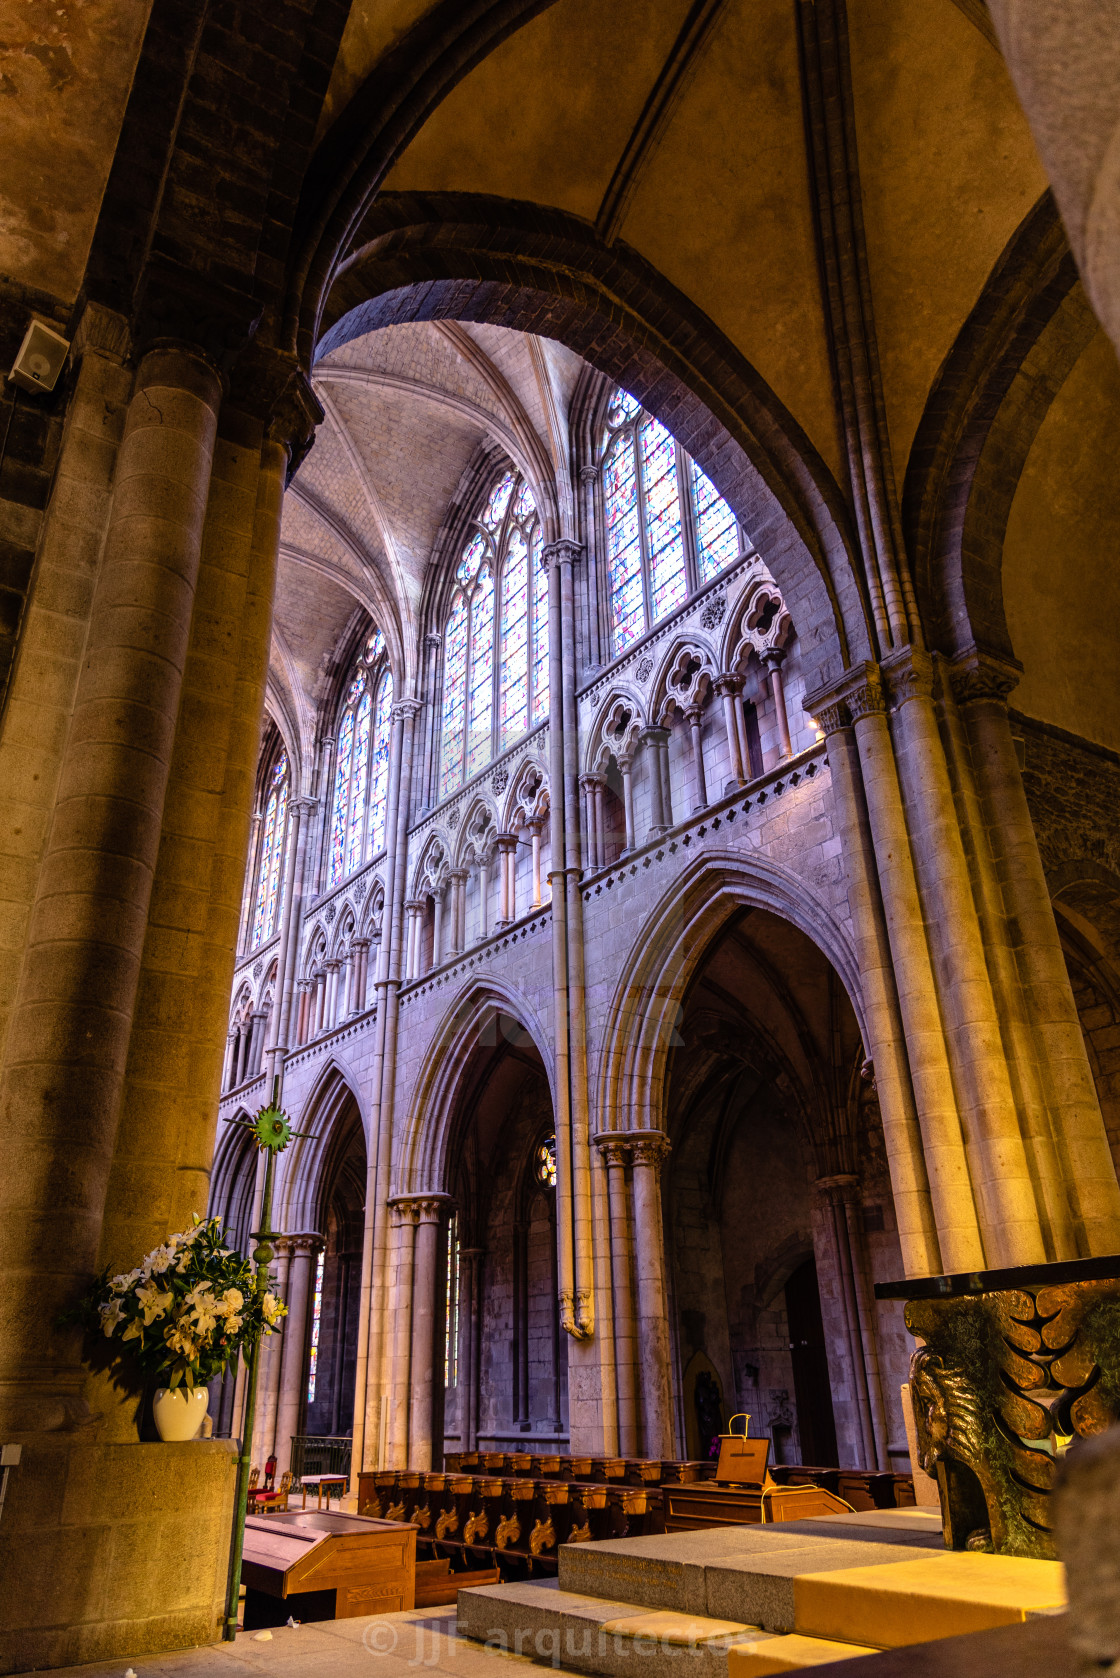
(468, 656)
(643, 534)
(371, 745)
(498, 644)
(688, 520)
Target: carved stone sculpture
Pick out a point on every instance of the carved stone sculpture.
(1007, 1379)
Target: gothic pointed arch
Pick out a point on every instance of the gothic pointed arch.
(491, 1015)
(477, 259)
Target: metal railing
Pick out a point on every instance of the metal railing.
(319, 1454)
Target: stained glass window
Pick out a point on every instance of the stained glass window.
(362, 765)
(546, 1163)
(379, 786)
(272, 850)
(668, 529)
(480, 687)
(316, 1321)
(495, 672)
(540, 627)
(514, 691)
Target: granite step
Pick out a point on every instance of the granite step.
(596, 1636)
(742, 1573)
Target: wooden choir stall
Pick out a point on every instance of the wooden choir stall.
(314, 1565)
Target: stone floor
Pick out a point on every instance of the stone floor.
(381, 1646)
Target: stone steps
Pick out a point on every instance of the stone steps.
(754, 1600)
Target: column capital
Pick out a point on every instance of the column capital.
(614, 1145)
(359, 943)
(909, 674)
(693, 714)
(654, 735)
(310, 1243)
(306, 806)
(588, 474)
(565, 551)
(421, 1208)
(459, 874)
(859, 693)
(729, 682)
(976, 674)
(506, 841)
(648, 1147)
(332, 966)
(841, 1185)
(773, 657)
(414, 905)
(592, 780)
(406, 709)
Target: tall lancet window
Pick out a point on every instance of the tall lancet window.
(495, 669)
(669, 530)
(273, 828)
(361, 776)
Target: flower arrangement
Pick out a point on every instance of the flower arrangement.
(186, 1310)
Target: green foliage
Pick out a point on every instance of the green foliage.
(186, 1310)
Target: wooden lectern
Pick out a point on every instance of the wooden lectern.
(743, 1493)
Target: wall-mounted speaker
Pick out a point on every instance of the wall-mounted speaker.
(41, 358)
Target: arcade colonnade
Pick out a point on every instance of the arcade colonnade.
(882, 814)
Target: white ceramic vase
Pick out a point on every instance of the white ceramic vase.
(179, 1412)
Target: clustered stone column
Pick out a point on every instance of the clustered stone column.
(638, 1287)
(949, 1006)
(729, 687)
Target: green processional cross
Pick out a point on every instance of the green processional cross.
(273, 1133)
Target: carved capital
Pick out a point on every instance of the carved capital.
(588, 474)
(310, 1244)
(729, 682)
(406, 709)
(978, 675)
(562, 552)
(909, 676)
(104, 332)
(306, 807)
(613, 1145)
(420, 1208)
(841, 1185)
(649, 1147)
(773, 657)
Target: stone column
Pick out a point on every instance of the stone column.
(943, 1147)
(587, 784)
(612, 1146)
(730, 687)
(483, 898)
(412, 917)
(648, 1149)
(666, 783)
(330, 1003)
(361, 959)
(626, 770)
(836, 1191)
(424, 1363)
(271, 1359)
(693, 716)
(257, 1036)
(535, 842)
(651, 739)
(73, 1003)
(437, 926)
(1001, 1178)
(405, 1215)
(229, 1065)
(318, 1002)
(507, 861)
(458, 911)
(773, 660)
(305, 1250)
(886, 1045)
(1087, 1168)
(470, 1260)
